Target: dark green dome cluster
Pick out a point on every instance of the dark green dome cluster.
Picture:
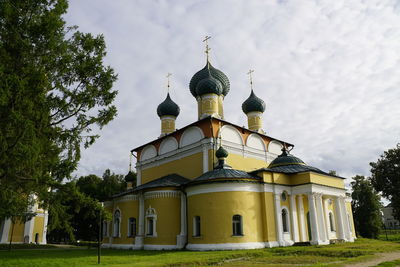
(168, 107)
(218, 84)
(221, 153)
(285, 159)
(253, 103)
(130, 177)
(209, 85)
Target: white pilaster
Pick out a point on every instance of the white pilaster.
(321, 219)
(138, 176)
(28, 230)
(293, 218)
(6, 231)
(346, 223)
(326, 214)
(301, 217)
(182, 237)
(315, 239)
(339, 218)
(205, 158)
(278, 219)
(140, 237)
(44, 234)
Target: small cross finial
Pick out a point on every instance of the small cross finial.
(168, 75)
(250, 73)
(207, 51)
(130, 162)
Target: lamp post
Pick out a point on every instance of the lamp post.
(99, 238)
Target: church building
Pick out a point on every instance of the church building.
(214, 185)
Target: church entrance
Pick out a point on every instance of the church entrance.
(37, 238)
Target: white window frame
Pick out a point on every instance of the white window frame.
(287, 222)
(151, 214)
(118, 234)
(196, 226)
(240, 224)
(129, 227)
(331, 219)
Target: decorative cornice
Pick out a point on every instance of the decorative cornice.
(162, 194)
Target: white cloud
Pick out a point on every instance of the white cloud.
(329, 72)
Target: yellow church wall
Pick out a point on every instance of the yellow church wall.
(326, 180)
(128, 209)
(18, 233)
(246, 164)
(209, 104)
(38, 228)
(189, 167)
(281, 178)
(168, 220)
(268, 211)
(216, 220)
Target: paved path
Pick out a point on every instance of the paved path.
(381, 257)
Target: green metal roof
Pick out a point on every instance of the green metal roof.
(253, 103)
(209, 85)
(171, 180)
(130, 177)
(221, 153)
(168, 107)
(205, 73)
(285, 159)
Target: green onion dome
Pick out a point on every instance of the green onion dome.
(168, 107)
(209, 85)
(253, 103)
(285, 159)
(130, 177)
(221, 153)
(206, 72)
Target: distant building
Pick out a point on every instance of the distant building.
(388, 219)
(32, 231)
(214, 185)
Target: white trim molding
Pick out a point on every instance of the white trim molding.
(231, 246)
(224, 187)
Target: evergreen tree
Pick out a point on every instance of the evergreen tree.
(386, 177)
(54, 89)
(366, 208)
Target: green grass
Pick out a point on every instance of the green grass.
(331, 255)
(390, 263)
(24, 246)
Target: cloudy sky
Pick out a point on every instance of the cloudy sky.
(329, 72)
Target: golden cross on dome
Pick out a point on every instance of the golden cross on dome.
(207, 51)
(168, 75)
(251, 78)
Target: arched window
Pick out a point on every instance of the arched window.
(283, 196)
(131, 227)
(196, 226)
(237, 225)
(332, 222)
(285, 222)
(117, 222)
(151, 222)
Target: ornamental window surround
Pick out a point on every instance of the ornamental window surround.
(105, 229)
(237, 225)
(117, 224)
(151, 222)
(332, 222)
(285, 221)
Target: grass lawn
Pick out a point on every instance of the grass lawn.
(331, 255)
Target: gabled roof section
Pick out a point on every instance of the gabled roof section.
(209, 118)
(170, 180)
(225, 174)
